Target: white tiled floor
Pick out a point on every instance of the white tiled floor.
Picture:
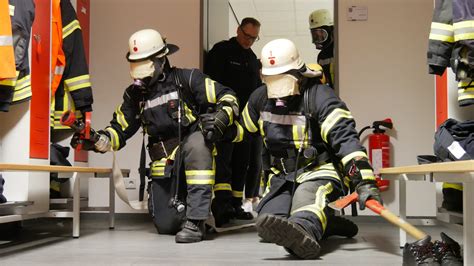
(135, 242)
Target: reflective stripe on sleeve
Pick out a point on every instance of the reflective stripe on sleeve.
(78, 82)
(441, 32)
(70, 28)
(248, 121)
(210, 90)
(336, 115)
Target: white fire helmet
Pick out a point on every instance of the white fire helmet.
(144, 46)
(278, 57)
(319, 18)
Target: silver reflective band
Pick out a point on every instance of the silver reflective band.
(59, 70)
(326, 61)
(161, 100)
(6, 40)
(299, 120)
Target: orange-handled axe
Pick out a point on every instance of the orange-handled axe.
(376, 207)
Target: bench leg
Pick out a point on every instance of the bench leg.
(402, 197)
(111, 202)
(76, 205)
(468, 228)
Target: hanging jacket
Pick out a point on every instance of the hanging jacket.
(452, 38)
(7, 64)
(74, 91)
(58, 59)
(18, 89)
(156, 109)
(331, 131)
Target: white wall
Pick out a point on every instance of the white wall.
(112, 23)
(383, 73)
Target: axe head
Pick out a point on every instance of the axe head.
(344, 202)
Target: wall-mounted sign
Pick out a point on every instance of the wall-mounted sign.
(357, 13)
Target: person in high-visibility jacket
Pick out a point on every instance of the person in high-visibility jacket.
(18, 89)
(165, 101)
(310, 141)
(451, 44)
(74, 91)
(321, 25)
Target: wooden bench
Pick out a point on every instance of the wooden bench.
(455, 172)
(76, 199)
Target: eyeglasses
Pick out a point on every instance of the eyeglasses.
(248, 36)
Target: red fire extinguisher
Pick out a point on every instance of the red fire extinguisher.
(379, 144)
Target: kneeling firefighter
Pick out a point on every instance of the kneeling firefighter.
(311, 135)
(167, 101)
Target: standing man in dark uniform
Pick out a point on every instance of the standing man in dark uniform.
(234, 64)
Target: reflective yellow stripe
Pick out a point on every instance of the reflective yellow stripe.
(189, 114)
(441, 32)
(269, 181)
(464, 30)
(299, 137)
(121, 118)
(325, 170)
(200, 172)
(230, 99)
(332, 119)
(319, 204)
(456, 186)
(465, 92)
(237, 194)
(158, 168)
(210, 90)
(11, 9)
(200, 181)
(70, 28)
(222, 187)
(367, 174)
(353, 155)
(229, 112)
(78, 82)
(248, 121)
(240, 132)
(114, 140)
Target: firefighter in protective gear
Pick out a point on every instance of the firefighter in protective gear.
(311, 141)
(321, 26)
(159, 98)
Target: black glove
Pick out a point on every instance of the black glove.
(368, 190)
(214, 124)
(87, 144)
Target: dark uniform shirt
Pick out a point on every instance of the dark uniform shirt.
(326, 61)
(231, 65)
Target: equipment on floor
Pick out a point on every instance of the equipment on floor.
(379, 144)
(376, 207)
(82, 128)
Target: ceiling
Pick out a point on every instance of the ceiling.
(280, 17)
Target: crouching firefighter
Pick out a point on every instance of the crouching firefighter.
(311, 136)
(166, 101)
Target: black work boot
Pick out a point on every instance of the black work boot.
(447, 251)
(419, 253)
(222, 211)
(290, 235)
(340, 226)
(193, 231)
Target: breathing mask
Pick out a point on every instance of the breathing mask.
(281, 86)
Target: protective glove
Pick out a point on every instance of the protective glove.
(368, 190)
(103, 144)
(87, 144)
(214, 124)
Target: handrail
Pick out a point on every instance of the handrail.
(52, 168)
(444, 167)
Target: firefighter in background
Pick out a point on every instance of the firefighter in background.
(321, 26)
(153, 102)
(309, 148)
